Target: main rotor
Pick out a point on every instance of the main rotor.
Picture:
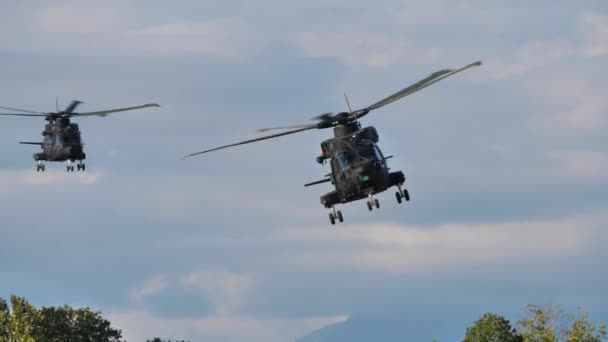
(68, 112)
(344, 122)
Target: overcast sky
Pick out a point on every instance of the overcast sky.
(507, 164)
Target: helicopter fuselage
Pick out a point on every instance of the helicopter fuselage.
(358, 168)
(62, 142)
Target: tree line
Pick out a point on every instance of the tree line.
(22, 322)
(541, 324)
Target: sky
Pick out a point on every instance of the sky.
(506, 164)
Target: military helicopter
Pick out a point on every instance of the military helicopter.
(359, 170)
(61, 138)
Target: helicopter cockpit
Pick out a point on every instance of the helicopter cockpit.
(370, 151)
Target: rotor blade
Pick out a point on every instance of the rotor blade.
(321, 117)
(281, 127)
(430, 80)
(106, 112)
(22, 114)
(21, 110)
(73, 106)
(254, 140)
(30, 143)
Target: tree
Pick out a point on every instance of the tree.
(4, 320)
(24, 323)
(22, 320)
(581, 330)
(491, 328)
(540, 325)
(546, 324)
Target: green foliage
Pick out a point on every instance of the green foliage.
(25, 323)
(491, 328)
(540, 325)
(545, 324)
(4, 320)
(581, 330)
(22, 320)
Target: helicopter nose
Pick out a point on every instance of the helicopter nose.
(364, 172)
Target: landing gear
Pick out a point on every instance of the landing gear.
(372, 202)
(335, 214)
(69, 168)
(402, 193)
(81, 166)
(40, 167)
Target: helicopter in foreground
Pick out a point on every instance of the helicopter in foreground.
(359, 169)
(62, 141)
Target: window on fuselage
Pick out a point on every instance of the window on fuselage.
(371, 152)
(59, 139)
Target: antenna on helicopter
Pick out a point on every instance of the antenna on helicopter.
(56, 104)
(347, 103)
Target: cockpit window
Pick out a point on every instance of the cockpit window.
(59, 139)
(371, 152)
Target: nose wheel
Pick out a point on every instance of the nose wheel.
(40, 167)
(372, 202)
(335, 215)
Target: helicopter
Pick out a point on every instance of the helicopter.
(61, 138)
(359, 169)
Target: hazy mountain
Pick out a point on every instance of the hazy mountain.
(390, 328)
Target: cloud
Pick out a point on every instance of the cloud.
(226, 37)
(596, 35)
(141, 325)
(354, 48)
(13, 180)
(408, 249)
(81, 17)
(153, 286)
(526, 58)
(225, 289)
(588, 165)
(573, 104)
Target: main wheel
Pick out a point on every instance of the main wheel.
(376, 203)
(369, 206)
(406, 194)
(37, 168)
(398, 196)
(332, 219)
(84, 167)
(340, 218)
(43, 167)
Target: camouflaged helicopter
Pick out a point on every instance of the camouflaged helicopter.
(359, 169)
(62, 140)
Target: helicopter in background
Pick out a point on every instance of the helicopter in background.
(62, 140)
(359, 169)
